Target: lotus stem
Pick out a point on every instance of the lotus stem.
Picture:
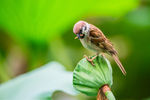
(105, 93)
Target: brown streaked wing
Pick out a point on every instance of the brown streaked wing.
(96, 32)
(98, 38)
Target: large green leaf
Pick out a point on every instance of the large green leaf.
(38, 84)
(41, 20)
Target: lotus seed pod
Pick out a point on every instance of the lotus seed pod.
(88, 79)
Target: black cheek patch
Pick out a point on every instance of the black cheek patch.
(85, 27)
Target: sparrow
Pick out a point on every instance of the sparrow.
(93, 39)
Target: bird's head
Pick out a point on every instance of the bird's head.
(81, 29)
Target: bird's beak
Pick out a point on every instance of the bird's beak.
(78, 36)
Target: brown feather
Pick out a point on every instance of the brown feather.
(119, 63)
(95, 32)
(98, 38)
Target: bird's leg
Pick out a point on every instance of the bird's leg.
(91, 60)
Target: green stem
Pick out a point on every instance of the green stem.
(105, 93)
(109, 95)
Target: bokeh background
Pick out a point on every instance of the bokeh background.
(35, 32)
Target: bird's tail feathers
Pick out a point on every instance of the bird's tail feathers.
(119, 63)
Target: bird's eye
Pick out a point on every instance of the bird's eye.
(80, 31)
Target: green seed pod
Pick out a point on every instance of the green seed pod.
(88, 79)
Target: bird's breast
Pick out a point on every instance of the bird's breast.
(89, 45)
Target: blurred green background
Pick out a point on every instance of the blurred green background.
(35, 32)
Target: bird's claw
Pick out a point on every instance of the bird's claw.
(89, 60)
